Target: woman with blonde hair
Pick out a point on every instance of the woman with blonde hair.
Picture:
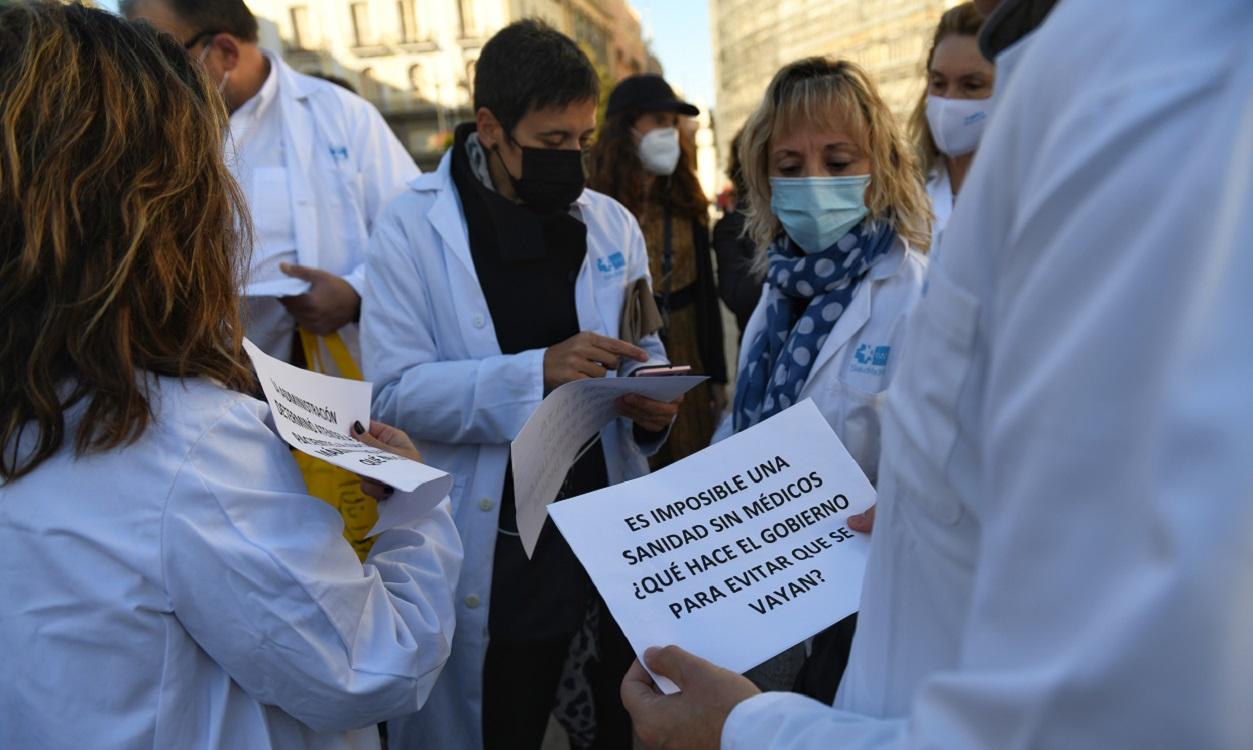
(167, 582)
(950, 116)
(837, 211)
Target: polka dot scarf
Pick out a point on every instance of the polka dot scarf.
(807, 294)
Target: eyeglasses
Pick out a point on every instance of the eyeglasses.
(197, 39)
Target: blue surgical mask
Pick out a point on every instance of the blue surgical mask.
(817, 211)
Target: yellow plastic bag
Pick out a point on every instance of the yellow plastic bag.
(339, 487)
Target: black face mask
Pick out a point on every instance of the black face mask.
(552, 178)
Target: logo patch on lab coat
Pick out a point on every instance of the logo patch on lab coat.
(339, 153)
(614, 265)
(870, 359)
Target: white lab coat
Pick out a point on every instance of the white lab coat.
(1063, 552)
(847, 383)
(940, 191)
(184, 592)
(344, 165)
(430, 348)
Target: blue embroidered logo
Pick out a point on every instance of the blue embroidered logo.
(615, 263)
(339, 153)
(871, 360)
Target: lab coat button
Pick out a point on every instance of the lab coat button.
(479, 322)
(472, 601)
(486, 504)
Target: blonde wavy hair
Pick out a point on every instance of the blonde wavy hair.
(123, 236)
(839, 94)
(960, 20)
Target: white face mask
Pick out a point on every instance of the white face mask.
(659, 151)
(957, 124)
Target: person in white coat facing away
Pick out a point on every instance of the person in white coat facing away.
(491, 282)
(1064, 548)
(316, 162)
(837, 214)
(167, 582)
(953, 111)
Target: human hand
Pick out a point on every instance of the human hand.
(386, 438)
(649, 414)
(691, 719)
(586, 355)
(862, 522)
(330, 304)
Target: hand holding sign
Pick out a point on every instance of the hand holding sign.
(735, 553)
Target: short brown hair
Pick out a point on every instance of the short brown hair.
(121, 230)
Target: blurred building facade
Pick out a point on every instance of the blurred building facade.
(752, 39)
(415, 58)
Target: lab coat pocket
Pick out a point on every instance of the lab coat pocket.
(938, 346)
(272, 212)
(858, 425)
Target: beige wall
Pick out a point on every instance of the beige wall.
(752, 39)
(418, 68)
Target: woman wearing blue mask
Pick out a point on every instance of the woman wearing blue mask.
(838, 213)
(948, 122)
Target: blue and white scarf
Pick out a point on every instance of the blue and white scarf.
(780, 357)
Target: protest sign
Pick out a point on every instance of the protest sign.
(551, 440)
(735, 553)
(314, 414)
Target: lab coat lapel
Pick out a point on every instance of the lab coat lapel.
(449, 222)
(594, 304)
(300, 159)
(846, 327)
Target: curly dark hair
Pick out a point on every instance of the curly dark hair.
(615, 169)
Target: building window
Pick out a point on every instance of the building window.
(415, 80)
(300, 36)
(362, 33)
(410, 27)
(469, 18)
(369, 86)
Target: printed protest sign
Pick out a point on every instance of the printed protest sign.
(314, 414)
(735, 553)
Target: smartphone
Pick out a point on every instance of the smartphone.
(656, 371)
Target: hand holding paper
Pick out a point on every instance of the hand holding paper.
(315, 414)
(735, 553)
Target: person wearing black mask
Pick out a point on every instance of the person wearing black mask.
(494, 280)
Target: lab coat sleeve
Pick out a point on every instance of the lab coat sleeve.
(788, 720)
(1110, 601)
(446, 401)
(386, 170)
(260, 576)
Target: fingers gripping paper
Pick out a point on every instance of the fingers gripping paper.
(314, 414)
(735, 553)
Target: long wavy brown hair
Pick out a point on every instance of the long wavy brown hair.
(616, 170)
(960, 20)
(122, 233)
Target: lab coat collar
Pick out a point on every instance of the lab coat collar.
(857, 314)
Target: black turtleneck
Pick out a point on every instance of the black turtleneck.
(528, 266)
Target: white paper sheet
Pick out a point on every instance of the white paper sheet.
(288, 286)
(314, 413)
(735, 553)
(565, 421)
